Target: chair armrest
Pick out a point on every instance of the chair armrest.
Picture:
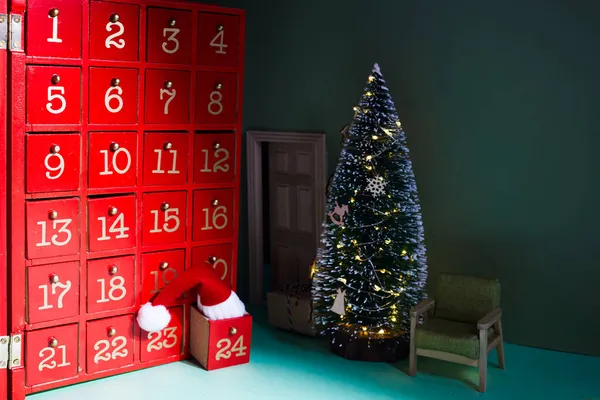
(490, 319)
(422, 307)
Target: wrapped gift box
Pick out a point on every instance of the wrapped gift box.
(291, 309)
(220, 344)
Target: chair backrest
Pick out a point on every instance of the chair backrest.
(465, 298)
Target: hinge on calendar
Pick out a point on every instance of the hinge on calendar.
(3, 31)
(15, 32)
(11, 353)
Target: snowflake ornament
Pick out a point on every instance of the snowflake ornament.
(376, 186)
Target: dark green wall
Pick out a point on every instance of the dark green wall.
(499, 101)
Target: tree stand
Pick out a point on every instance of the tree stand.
(379, 348)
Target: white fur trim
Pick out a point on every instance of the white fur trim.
(230, 308)
(153, 318)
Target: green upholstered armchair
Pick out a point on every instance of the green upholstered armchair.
(461, 324)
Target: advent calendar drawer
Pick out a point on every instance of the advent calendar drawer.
(112, 159)
(114, 31)
(57, 31)
(169, 36)
(216, 98)
(110, 284)
(109, 343)
(52, 292)
(53, 162)
(158, 269)
(218, 40)
(167, 96)
(113, 96)
(213, 214)
(165, 343)
(111, 223)
(165, 158)
(218, 257)
(53, 95)
(164, 218)
(52, 228)
(214, 157)
(51, 354)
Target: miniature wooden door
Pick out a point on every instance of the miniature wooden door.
(125, 128)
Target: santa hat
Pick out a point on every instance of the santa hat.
(215, 299)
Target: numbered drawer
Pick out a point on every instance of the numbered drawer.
(216, 98)
(110, 284)
(213, 214)
(111, 223)
(169, 36)
(220, 344)
(165, 159)
(57, 31)
(52, 228)
(164, 218)
(158, 269)
(51, 354)
(219, 257)
(167, 97)
(113, 95)
(53, 95)
(109, 343)
(114, 31)
(218, 40)
(214, 157)
(165, 343)
(112, 159)
(52, 292)
(52, 162)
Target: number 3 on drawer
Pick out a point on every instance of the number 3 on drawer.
(165, 343)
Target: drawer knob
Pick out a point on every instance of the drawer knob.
(219, 86)
(163, 265)
(114, 18)
(220, 28)
(112, 211)
(165, 206)
(168, 146)
(54, 278)
(54, 149)
(53, 13)
(55, 79)
(53, 214)
(172, 22)
(111, 332)
(212, 259)
(114, 146)
(217, 145)
(232, 330)
(215, 202)
(53, 342)
(168, 84)
(115, 82)
(113, 270)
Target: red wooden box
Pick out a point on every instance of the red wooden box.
(122, 121)
(220, 344)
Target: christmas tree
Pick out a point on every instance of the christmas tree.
(372, 252)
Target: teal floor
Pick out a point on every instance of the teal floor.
(287, 366)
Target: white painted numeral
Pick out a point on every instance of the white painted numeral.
(48, 362)
(101, 347)
(219, 41)
(224, 344)
(159, 170)
(222, 155)
(170, 214)
(108, 96)
(171, 94)
(218, 214)
(215, 106)
(54, 38)
(165, 280)
(118, 226)
(54, 239)
(171, 38)
(117, 284)
(168, 342)
(110, 40)
(59, 169)
(113, 161)
(59, 303)
(58, 96)
(221, 261)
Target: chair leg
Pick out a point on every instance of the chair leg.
(500, 349)
(482, 359)
(412, 363)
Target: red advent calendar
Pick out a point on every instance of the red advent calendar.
(123, 143)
